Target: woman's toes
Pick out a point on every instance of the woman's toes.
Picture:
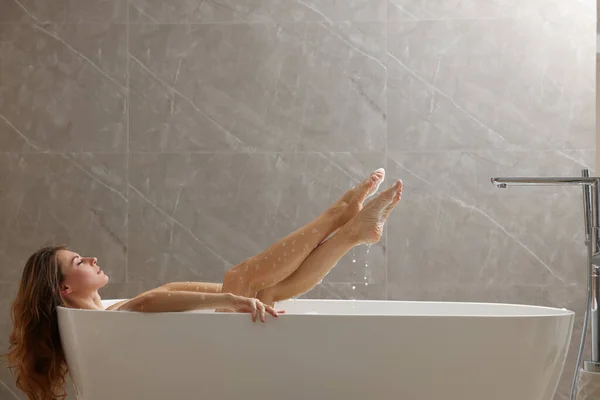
(390, 207)
(371, 185)
(377, 177)
(386, 196)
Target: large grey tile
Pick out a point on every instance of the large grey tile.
(163, 249)
(553, 10)
(420, 117)
(63, 88)
(558, 15)
(78, 200)
(454, 226)
(489, 84)
(265, 87)
(255, 11)
(571, 297)
(399, 10)
(13, 139)
(230, 207)
(162, 119)
(64, 11)
(348, 291)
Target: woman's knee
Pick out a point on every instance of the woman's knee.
(236, 281)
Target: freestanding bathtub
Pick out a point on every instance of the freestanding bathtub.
(321, 349)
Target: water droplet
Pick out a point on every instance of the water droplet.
(353, 287)
(293, 241)
(302, 233)
(283, 244)
(314, 231)
(265, 257)
(256, 267)
(168, 294)
(368, 248)
(366, 265)
(293, 250)
(366, 283)
(353, 261)
(365, 278)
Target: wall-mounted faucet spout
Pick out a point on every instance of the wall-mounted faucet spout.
(591, 214)
(545, 181)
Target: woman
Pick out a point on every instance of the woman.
(55, 276)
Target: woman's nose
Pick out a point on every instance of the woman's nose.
(92, 260)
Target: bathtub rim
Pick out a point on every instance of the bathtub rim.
(543, 311)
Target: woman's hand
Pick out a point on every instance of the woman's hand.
(250, 305)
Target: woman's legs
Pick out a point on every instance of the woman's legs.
(365, 227)
(281, 259)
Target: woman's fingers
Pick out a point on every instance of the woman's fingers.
(261, 308)
(257, 309)
(272, 311)
(254, 310)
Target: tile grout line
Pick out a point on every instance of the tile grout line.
(478, 150)
(251, 23)
(128, 43)
(387, 12)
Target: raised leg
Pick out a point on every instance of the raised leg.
(281, 259)
(365, 227)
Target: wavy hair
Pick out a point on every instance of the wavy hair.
(35, 355)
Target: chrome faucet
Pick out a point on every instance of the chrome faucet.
(591, 214)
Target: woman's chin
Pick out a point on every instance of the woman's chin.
(105, 279)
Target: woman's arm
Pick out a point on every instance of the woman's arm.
(202, 287)
(174, 301)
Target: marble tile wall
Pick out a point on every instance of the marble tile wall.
(175, 139)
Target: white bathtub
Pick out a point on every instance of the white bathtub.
(322, 349)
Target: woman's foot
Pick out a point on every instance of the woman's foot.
(350, 204)
(367, 225)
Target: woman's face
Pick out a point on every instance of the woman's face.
(82, 275)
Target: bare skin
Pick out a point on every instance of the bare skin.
(364, 228)
(283, 258)
(288, 268)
